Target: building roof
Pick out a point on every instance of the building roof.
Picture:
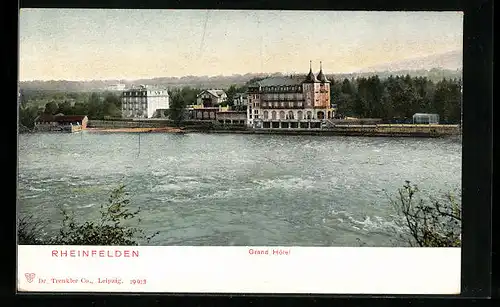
(321, 76)
(311, 78)
(143, 87)
(424, 114)
(213, 92)
(205, 109)
(279, 81)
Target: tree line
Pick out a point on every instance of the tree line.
(397, 98)
(94, 105)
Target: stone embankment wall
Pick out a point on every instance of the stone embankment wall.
(347, 130)
(375, 130)
(110, 124)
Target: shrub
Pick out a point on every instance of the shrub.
(31, 231)
(112, 228)
(431, 223)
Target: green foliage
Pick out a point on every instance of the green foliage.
(177, 108)
(428, 223)
(397, 97)
(27, 116)
(179, 100)
(112, 228)
(51, 108)
(66, 108)
(94, 105)
(31, 231)
(189, 94)
(232, 91)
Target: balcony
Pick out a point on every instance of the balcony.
(282, 107)
(282, 99)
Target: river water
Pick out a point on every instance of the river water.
(236, 189)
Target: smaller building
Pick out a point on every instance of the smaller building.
(61, 123)
(211, 98)
(232, 117)
(425, 118)
(240, 99)
(205, 113)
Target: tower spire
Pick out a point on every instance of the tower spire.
(321, 75)
(311, 78)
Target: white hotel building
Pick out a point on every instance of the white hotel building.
(290, 102)
(144, 101)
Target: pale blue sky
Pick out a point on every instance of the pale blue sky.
(85, 44)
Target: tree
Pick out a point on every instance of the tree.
(65, 108)
(112, 228)
(95, 107)
(27, 116)
(451, 104)
(51, 108)
(80, 108)
(343, 95)
(231, 92)
(432, 223)
(189, 95)
(177, 109)
(112, 105)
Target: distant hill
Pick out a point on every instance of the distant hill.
(449, 60)
(223, 82)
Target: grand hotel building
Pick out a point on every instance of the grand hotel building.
(290, 102)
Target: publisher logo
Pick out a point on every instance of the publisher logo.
(30, 277)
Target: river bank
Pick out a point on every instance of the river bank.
(138, 130)
(368, 131)
(378, 130)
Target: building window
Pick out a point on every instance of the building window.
(299, 115)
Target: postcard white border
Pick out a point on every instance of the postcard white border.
(318, 270)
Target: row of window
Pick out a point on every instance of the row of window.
(281, 88)
(300, 115)
(283, 104)
(134, 100)
(142, 93)
(134, 93)
(134, 107)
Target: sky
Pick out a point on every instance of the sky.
(99, 44)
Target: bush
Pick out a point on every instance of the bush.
(431, 223)
(30, 231)
(110, 229)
